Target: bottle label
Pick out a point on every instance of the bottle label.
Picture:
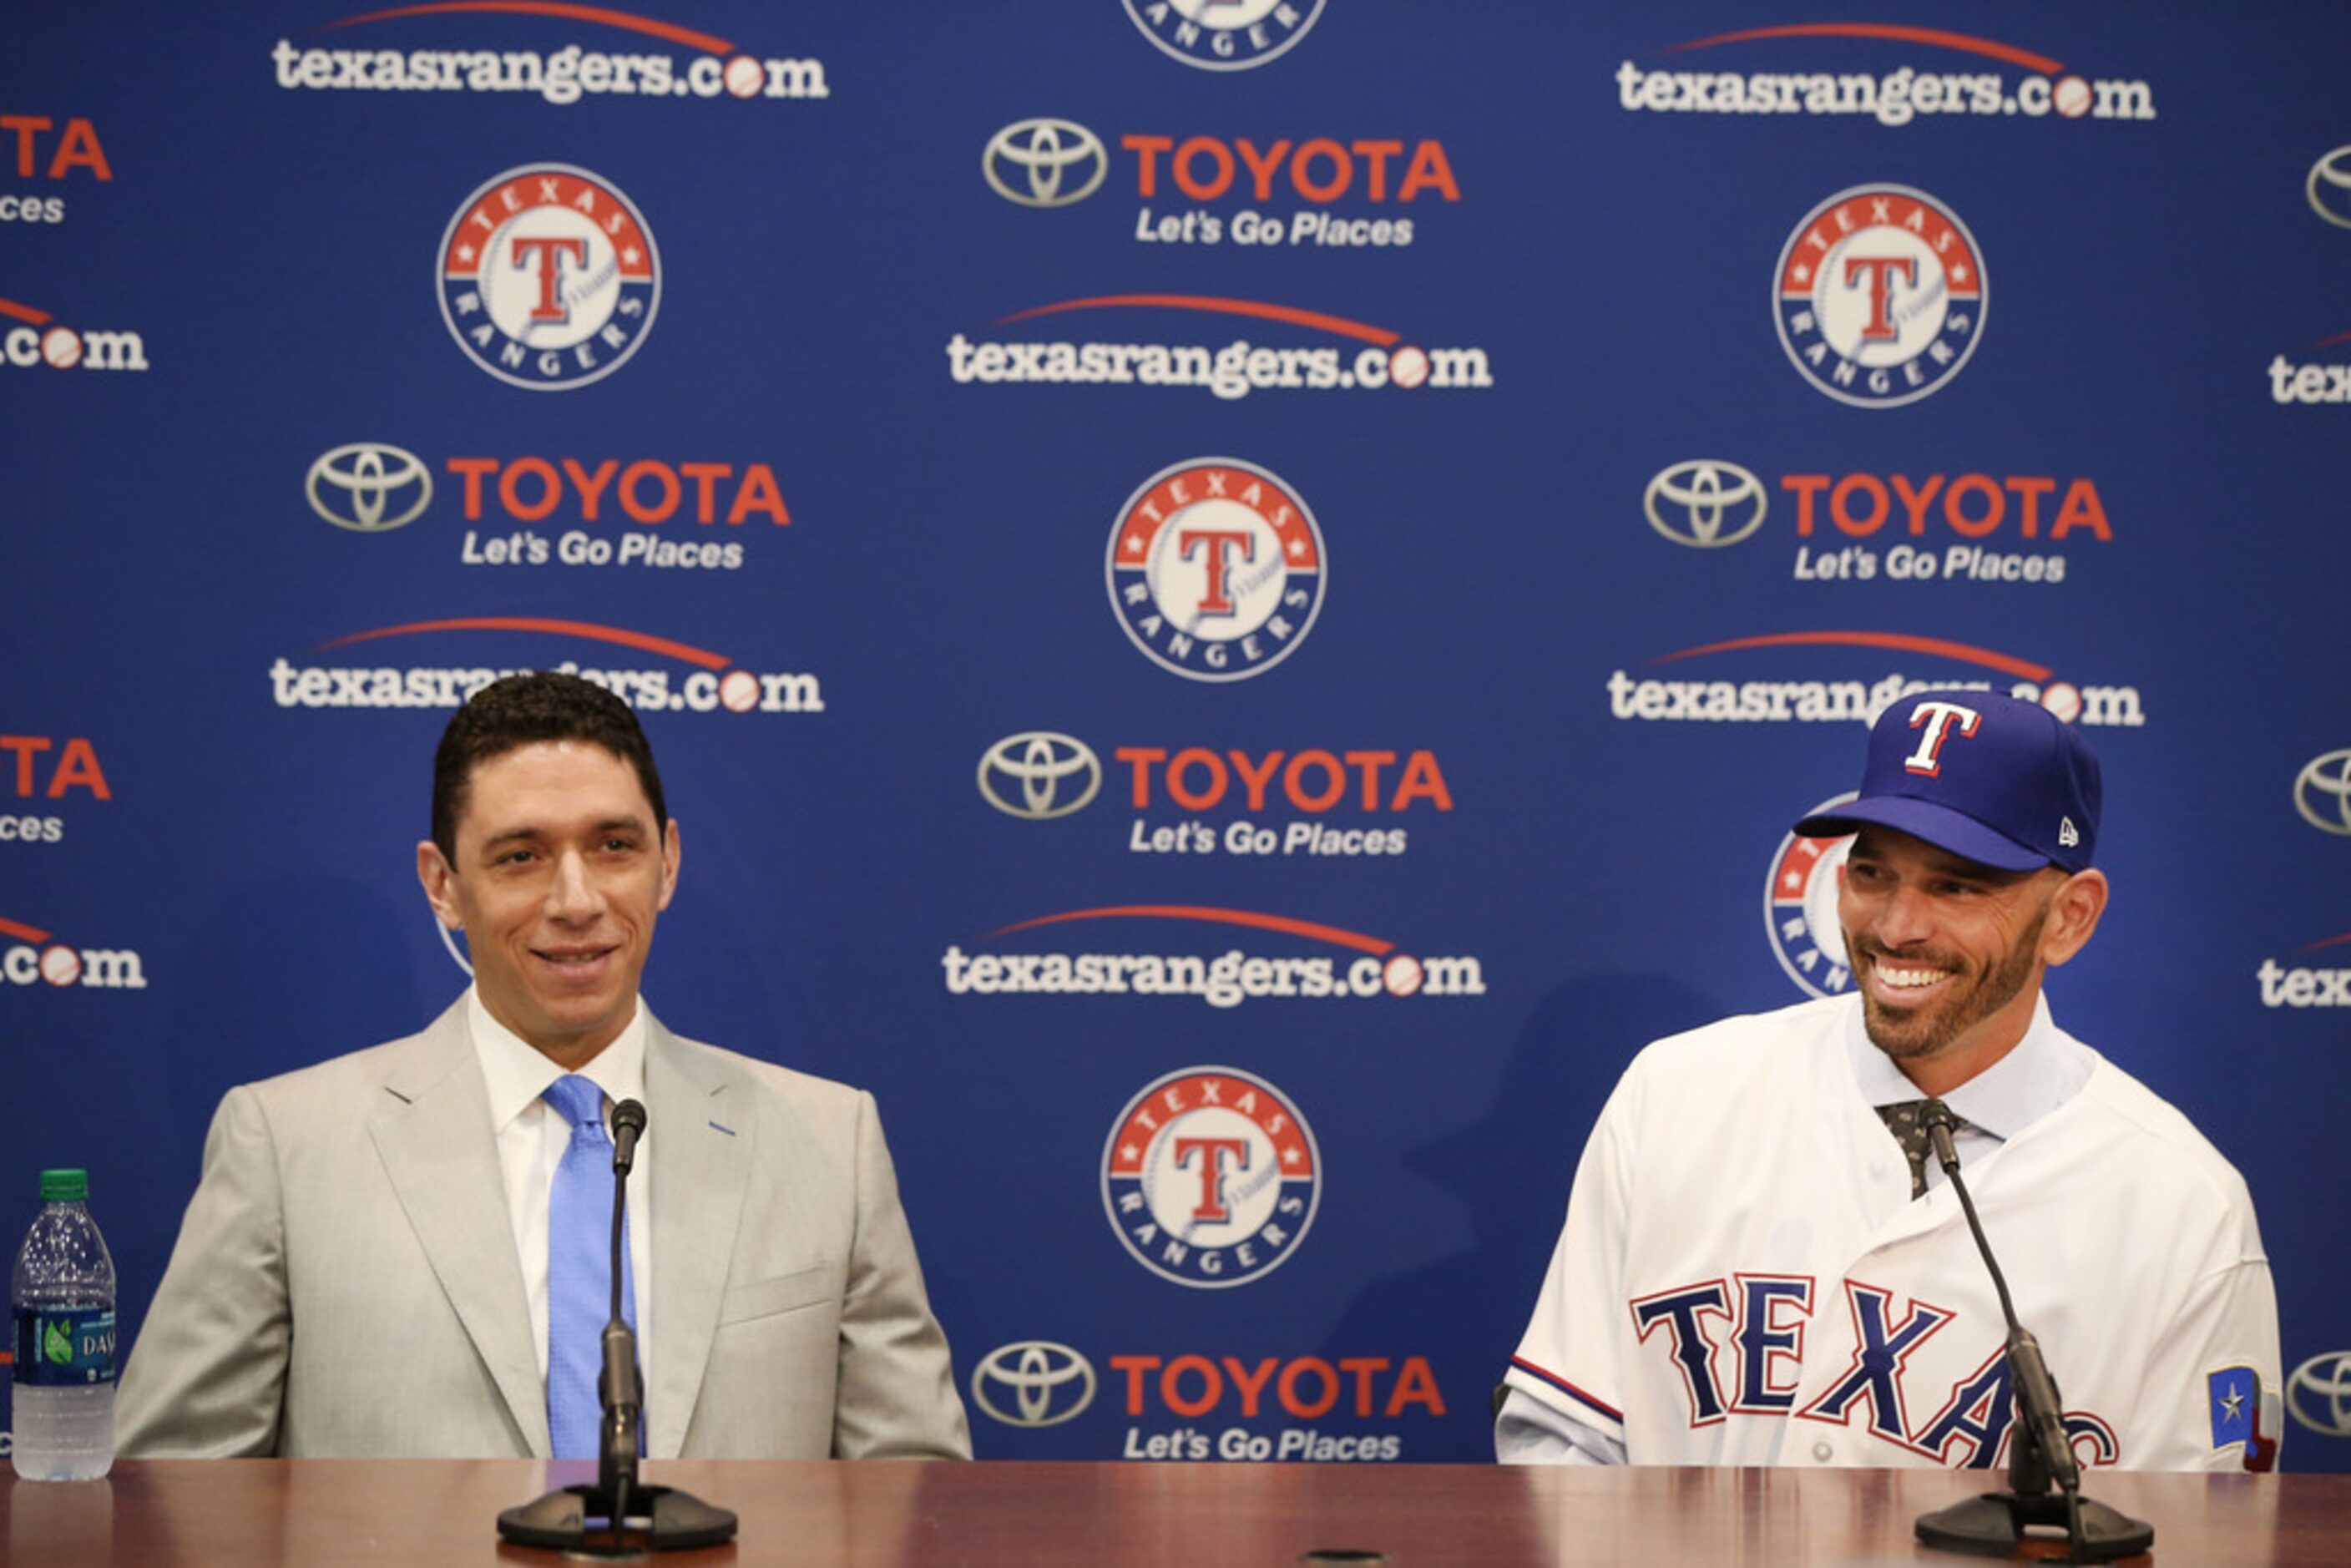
(65, 1347)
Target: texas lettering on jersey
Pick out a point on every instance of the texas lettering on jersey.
(1738, 1347)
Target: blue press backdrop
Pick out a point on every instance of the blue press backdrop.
(1565, 270)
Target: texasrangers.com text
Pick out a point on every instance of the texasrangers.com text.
(59, 965)
(1231, 372)
(561, 77)
(2302, 987)
(1224, 982)
(1895, 98)
(1828, 702)
(704, 691)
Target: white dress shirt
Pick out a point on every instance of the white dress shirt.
(2041, 1073)
(532, 1136)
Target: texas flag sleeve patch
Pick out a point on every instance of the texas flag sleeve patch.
(2235, 1395)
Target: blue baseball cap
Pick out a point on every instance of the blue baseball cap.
(1996, 780)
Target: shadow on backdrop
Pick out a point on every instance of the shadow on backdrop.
(1513, 1168)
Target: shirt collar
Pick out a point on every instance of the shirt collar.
(2047, 1069)
(517, 1074)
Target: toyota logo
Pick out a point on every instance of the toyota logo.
(1705, 503)
(2327, 1382)
(2323, 792)
(1051, 163)
(1049, 1382)
(2329, 187)
(1058, 774)
(356, 486)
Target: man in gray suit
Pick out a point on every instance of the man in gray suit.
(365, 1267)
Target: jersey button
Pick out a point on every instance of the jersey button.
(1823, 1452)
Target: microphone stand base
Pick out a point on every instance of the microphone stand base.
(1994, 1525)
(560, 1520)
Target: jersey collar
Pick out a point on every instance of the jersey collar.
(2047, 1068)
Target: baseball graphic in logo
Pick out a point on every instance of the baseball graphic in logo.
(1211, 1177)
(549, 278)
(1216, 569)
(1799, 908)
(1880, 295)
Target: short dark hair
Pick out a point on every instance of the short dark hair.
(522, 710)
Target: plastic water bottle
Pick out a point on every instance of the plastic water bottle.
(64, 1296)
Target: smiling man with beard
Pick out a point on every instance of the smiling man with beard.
(1762, 1265)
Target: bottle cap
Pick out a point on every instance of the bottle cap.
(65, 1186)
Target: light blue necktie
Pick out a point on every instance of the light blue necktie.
(580, 1270)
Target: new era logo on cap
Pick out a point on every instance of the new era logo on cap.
(1997, 780)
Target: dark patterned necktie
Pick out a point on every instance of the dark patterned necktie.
(1909, 1129)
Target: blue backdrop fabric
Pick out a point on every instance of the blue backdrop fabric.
(1129, 523)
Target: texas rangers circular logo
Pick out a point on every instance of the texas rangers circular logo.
(1224, 35)
(1880, 295)
(1800, 909)
(1216, 569)
(1211, 1177)
(550, 278)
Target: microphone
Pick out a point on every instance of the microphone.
(617, 1383)
(2040, 1452)
(665, 1517)
(2038, 1400)
(628, 1126)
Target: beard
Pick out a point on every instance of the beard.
(1916, 1032)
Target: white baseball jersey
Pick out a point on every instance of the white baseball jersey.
(1745, 1280)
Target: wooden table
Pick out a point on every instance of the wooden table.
(443, 1512)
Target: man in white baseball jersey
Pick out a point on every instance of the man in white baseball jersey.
(1752, 1274)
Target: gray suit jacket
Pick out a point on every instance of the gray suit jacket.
(345, 1281)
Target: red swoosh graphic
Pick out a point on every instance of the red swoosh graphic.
(23, 933)
(1216, 916)
(1296, 318)
(609, 18)
(1897, 640)
(2321, 344)
(2329, 942)
(651, 645)
(1935, 36)
(24, 313)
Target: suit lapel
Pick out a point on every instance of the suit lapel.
(433, 1137)
(698, 1145)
